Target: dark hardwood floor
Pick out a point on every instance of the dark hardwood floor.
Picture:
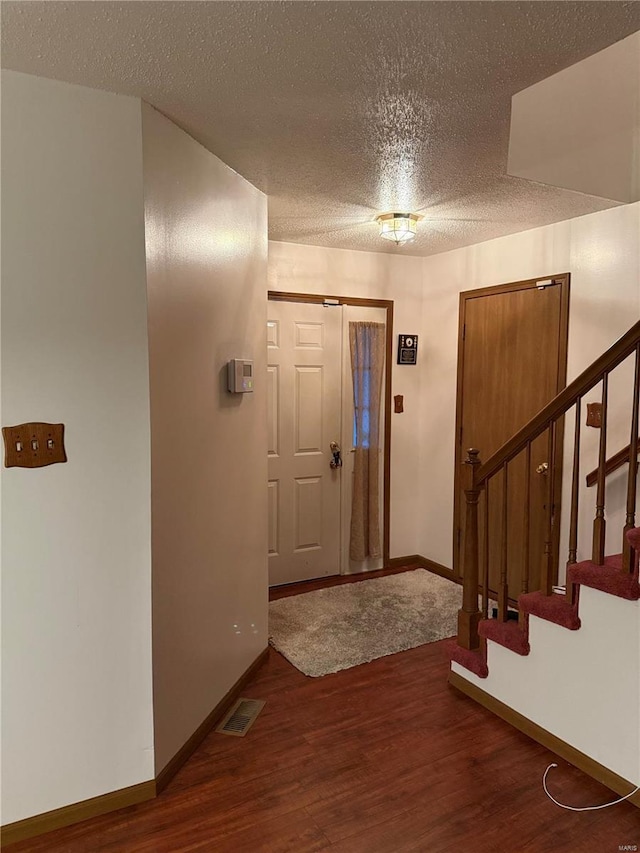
(381, 758)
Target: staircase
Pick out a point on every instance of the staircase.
(567, 671)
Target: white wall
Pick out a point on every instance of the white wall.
(601, 251)
(206, 265)
(76, 561)
(340, 272)
(598, 714)
(593, 107)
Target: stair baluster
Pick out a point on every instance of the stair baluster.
(628, 553)
(527, 521)
(485, 555)
(547, 578)
(575, 490)
(599, 523)
(555, 520)
(503, 593)
(469, 615)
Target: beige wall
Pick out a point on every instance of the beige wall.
(593, 107)
(206, 273)
(340, 272)
(76, 555)
(601, 251)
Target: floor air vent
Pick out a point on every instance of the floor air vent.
(241, 717)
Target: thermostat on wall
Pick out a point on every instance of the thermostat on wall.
(240, 375)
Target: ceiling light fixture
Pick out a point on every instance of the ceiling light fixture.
(399, 227)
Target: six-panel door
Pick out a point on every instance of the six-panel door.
(304, 412)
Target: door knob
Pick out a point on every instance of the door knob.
(542, 468)
(336, 461)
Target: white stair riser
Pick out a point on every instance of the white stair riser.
(582, 686)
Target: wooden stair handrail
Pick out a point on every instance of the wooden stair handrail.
(615, 462)
(561, 403)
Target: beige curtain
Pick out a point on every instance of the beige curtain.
(367, 341)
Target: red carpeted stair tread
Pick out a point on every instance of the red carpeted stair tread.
(608, 578)
(553, 608)
(508, 634)
(613, 562)
(471, 659)
(633, 538)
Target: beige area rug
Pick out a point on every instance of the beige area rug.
(343, 626)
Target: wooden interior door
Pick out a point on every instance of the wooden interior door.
(304, 415)
(511, 361)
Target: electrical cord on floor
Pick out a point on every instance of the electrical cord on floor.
(584, 808)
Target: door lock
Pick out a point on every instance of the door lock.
(542, 468)
(336, 461)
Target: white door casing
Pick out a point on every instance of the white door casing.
(304, 409)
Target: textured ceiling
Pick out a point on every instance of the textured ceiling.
(339, 110)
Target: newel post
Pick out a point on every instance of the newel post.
(469, 615)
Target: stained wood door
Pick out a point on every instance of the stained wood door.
(304, 415)
(511, 362)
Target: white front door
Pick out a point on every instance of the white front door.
(304, 392)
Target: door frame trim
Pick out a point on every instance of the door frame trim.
(563, 280)
(282, 296)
